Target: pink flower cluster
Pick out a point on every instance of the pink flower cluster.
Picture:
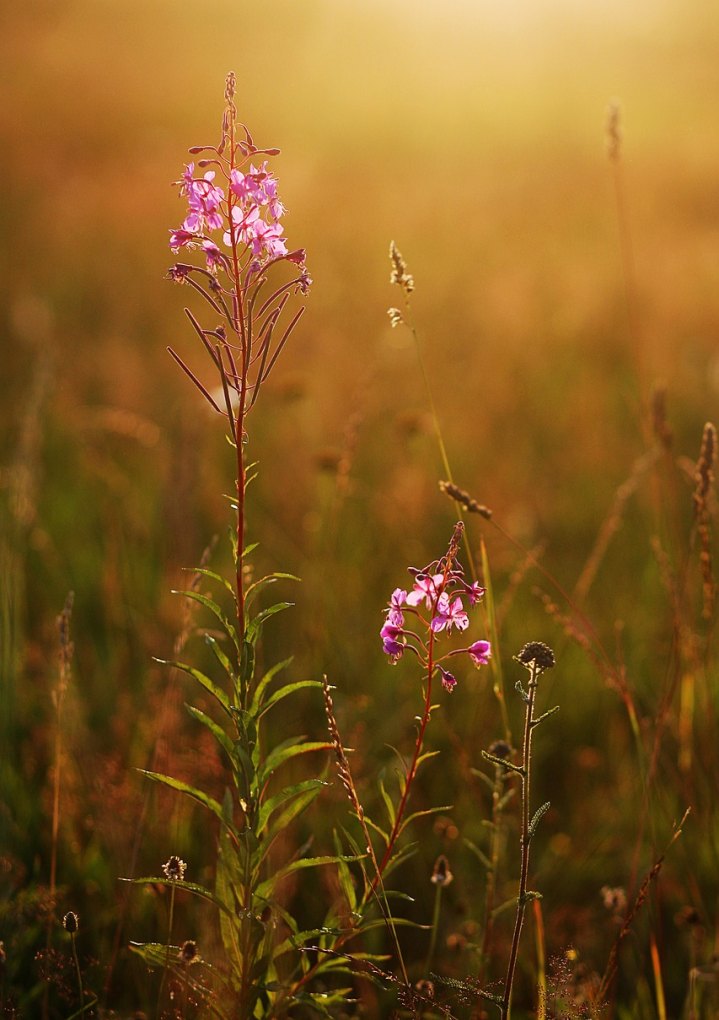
(436, 600)
(250, 219)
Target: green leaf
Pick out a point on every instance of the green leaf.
(264, 889)
(504, 907)
(426, 756)
(247, 671)
(283, 692)
(284, 752)
(502, 803)
(489, 605)
(197, 890)
(403, 922)
(227, 880)
(258, 621)
(153, 953)
(344, 875)
(221, 657)
(204, 681)
(373, 825)
(218, 733)
(190, 791)
(489, 783)
(388, 803)
(400, 857)
(263, 582)
(283, 819)
(216, 577)
(83, 1009)
(479, 854)
(216, 610)
(422, 814)
(272, 804)
(293, 942)
(258, 696)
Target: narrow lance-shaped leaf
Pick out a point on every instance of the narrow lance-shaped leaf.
(265, 889)
(421, 814)
(189, 791)
(221, 657)
(258, 696)
(283, 692)
(210, 686)
(277, 800)
(217, 732)
(214, 608)
(285, 753)
(263, 582)
(258, 621)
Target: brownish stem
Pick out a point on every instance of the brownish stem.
(411, 772)
(524, 842)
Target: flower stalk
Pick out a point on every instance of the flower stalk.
(536, 658)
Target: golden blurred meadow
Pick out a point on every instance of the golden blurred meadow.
(567, 307)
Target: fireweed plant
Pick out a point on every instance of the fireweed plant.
(415, 623)
(234, 234)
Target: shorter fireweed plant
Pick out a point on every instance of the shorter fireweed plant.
(417, 622)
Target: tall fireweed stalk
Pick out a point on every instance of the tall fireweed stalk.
(240, 267)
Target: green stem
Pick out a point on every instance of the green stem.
(167, 954)
(77, 969)
(490, 892)
(435, 927)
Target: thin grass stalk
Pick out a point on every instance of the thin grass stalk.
(401, 277)
(436, 912)
(78, 971)
(540, 948)
(525, 778)
(165, 969)
(658, 980)
(495, 847)
(610, 971)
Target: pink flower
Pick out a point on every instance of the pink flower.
(449, 614)
(395, 616)
(203, 198)
(245, 186)
(181, 237)
(425, 589)
(213, 254)
(475, 593)
(393, 643)
(449, 682)
(266, 238)
(480, 653)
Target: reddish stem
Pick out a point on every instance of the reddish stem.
(412, 771)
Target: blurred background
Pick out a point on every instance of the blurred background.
(556, 292)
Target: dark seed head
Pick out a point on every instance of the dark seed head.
(441, 874)
(174, 869)
(500, 749)
(70, 922)
(538, 653)
(188, 951)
